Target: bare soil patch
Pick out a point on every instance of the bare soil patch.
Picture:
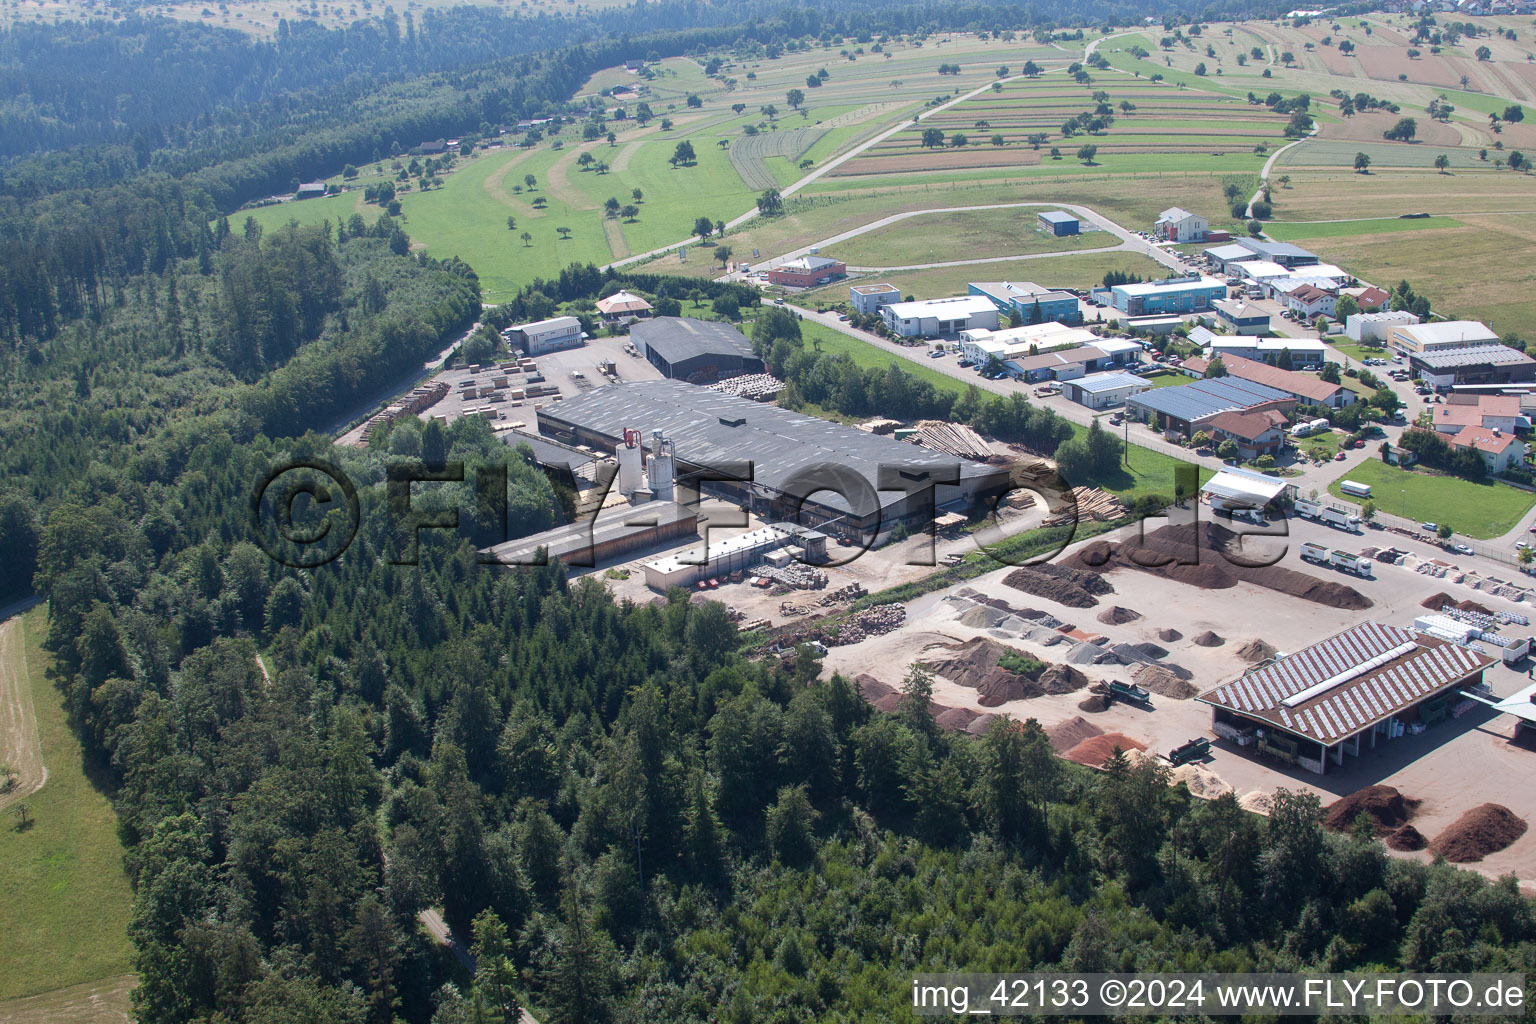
(1369, 128)
(1072, 586)
(1387, 808)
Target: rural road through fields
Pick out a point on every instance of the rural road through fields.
(20, 744)
(1128, 240)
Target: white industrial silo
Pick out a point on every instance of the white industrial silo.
(631, 462)
(661, 469)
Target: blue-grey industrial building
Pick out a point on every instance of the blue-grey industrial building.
(1176, 295)
(1185, 407)
(1033, 303)
(1059, 223)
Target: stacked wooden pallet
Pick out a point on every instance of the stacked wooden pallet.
(955, 439)
(1091, 504)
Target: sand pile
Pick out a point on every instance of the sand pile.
(1075, 588)
(1407, 838)
(1201, 782)
(1168, 636)
(975, 664)
(1255, 651)
(1208, 639)
(1485, 829)
(871, 688)
(1066, 735)
(1062, 679)
(1095, 750)
(956, 719)
(1218, 567)
(982, 723)
(982, 617)
(1118, 616)
(1258, 802)
(1387, 808)
(1164, 682)
(1094, 704)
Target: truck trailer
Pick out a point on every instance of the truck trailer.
(1330, 514)
(1312, 551)
(1349, 562)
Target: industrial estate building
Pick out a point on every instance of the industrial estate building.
(1415, 339)
(1303, 352)
(1186, 407)
(1175, 295)
(1104, 390)
(1179, 225)
(698, 351)
(1059, 223)
(1032, 302)
(1071, 363)
(1305, 388)
(614, 533)
(1241, 317)
(868, 298)
(980, 345)
(940, 317)
(543, 336)
(1342, 695)
(804, 469)
(1474, 364)
(807, 272)
(1372, 328)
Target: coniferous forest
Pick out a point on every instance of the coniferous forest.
(624, 817)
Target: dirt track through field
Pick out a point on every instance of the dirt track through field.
(94, 1002)
(615, 235)
(496, 182)
(626, 154)
(20, 745)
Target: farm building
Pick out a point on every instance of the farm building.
(1341, 695)
(1058, 223)
(1184, 408)
(544, 336)
(1031, 301)
(622, 307)
(614, 535)
(868, 298)
(1012, 342)
(1175, 295)
(807, 272)
(1104, 390)
(802, 468)
(310, 190)
(1415, 339)
(1254, 434)
(1304, 387)
(1241, 317)
(1179, 225)
(1474, 364)
(698, 351)
(1372, 328)
(937, 317)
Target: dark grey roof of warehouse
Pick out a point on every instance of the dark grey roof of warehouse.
(1269, 250)
(547, 452)
(679, 338)
(1208, 397)
(712, 429)
(1472, 355)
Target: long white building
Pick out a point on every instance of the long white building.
(940, 317)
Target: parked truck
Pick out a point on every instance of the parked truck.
(1129, 691)
(1357, 564)
(1330, 514)
(1312, 551)
(1195, 750)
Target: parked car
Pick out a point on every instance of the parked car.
(937, 353)
(1429, 526)
(1462, 549)
(1339, 457)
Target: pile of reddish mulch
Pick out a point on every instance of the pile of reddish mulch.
(1094, 751)
(1485, 829)
(1387, 808)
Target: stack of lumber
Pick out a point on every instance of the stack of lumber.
(955, 439)
(1092, 504)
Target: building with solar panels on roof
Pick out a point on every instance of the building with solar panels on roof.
(1343, 695)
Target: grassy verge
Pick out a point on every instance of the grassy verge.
(64, 900)
(1477, 510)
(1350, 228)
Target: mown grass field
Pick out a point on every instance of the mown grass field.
(64, 899)
(1477, 510)
(973, 234)
(1302, 232)
(1070, 270)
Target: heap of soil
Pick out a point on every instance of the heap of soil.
(974, 664)
(1095, 750)
(982, 723)
(1075, 588)
(888, 703)
(1093, 705)
(1168, 636)
(1118, 616)
(1070, 733)
(1255, 651)
(1435, 602)
(982, 617)
(1257, 802)
(1407, 838)
(1388, 809)
(1164, 682)
(872, 688)
(1208, 639)
(1485, 829)
(957, 719)
(1220, 557)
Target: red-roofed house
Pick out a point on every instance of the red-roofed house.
(1499, 412)
(1254, 434)
(1499, 450)
(1308, 389)
(1373, 298)
(1311, 301)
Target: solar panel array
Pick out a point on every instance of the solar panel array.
(1359, 702)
